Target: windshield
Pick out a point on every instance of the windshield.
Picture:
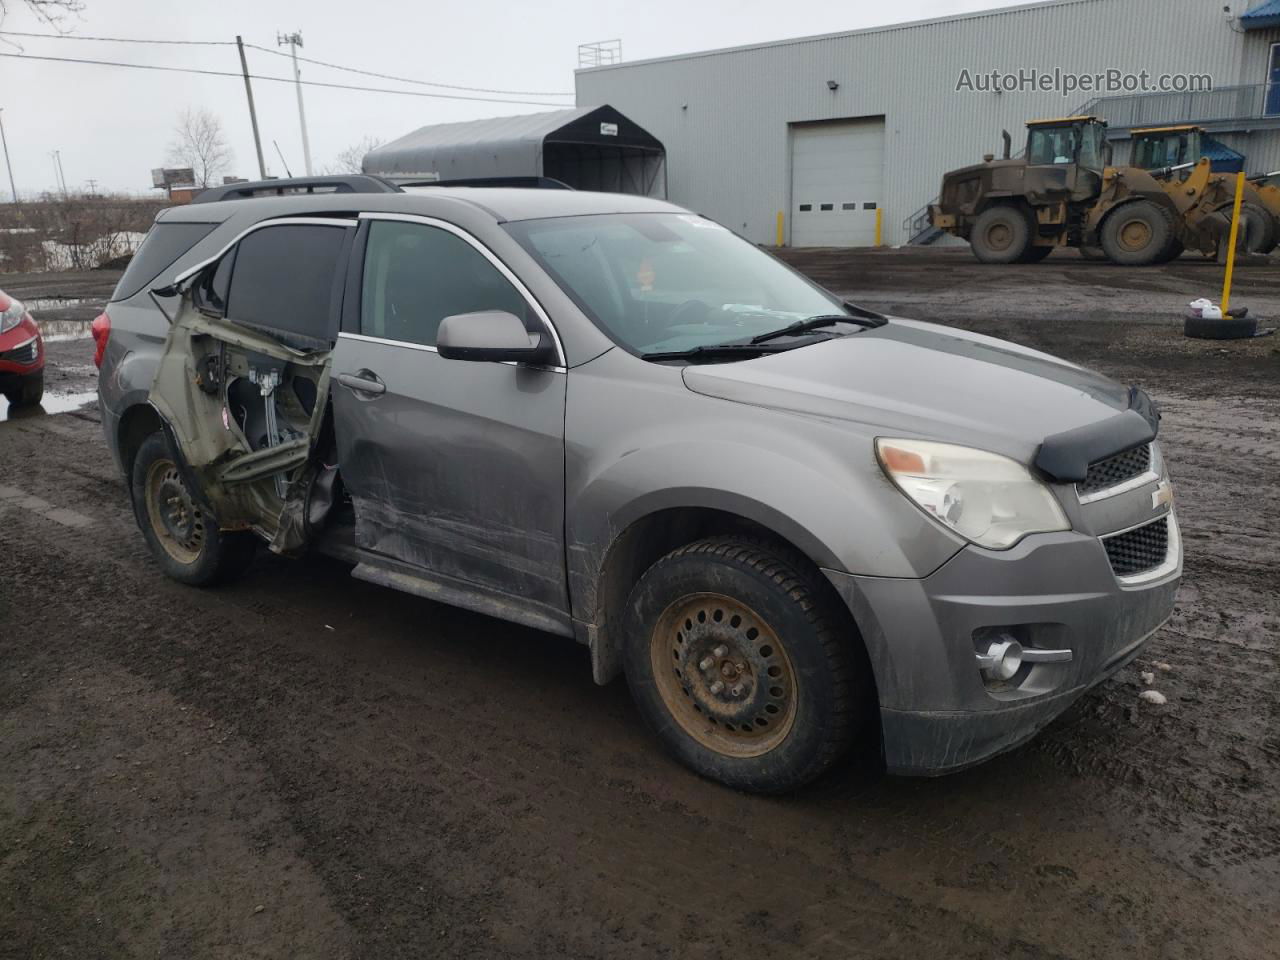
(660, 282)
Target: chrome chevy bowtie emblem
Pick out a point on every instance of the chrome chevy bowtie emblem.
(1162, 495)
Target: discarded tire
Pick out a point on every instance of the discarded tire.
(1226, 328)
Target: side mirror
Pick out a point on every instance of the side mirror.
(493, 335)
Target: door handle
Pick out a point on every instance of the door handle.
(364, 381)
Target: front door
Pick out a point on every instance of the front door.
(455, 467)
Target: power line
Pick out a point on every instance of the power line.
(255, 76)
(278, 53)
(69, 36)
(425, 83)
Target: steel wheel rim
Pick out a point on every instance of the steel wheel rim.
(1135, 234)
(999, 236)
(724, 675)
(178, 524)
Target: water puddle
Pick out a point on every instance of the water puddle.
(57, 303)
(52, 403)
(56, 330)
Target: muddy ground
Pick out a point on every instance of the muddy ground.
(306, 765)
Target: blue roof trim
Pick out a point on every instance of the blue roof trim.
(1262, 16)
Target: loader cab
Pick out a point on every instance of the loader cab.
(1065, 159)
(1155, 148)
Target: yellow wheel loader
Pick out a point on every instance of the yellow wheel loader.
(1182, 148)
(1064, 192)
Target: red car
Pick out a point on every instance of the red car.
(21, 354)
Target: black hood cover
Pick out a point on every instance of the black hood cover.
(1066, 456)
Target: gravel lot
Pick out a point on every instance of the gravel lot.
(306, 765)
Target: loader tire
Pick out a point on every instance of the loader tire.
(1138, 234)
(1001, 235)
(1035, 254)
(1262, 233)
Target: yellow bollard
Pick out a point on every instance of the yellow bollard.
(1231, 243)
(779, 228)
(879, 223)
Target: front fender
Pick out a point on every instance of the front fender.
(812, 481)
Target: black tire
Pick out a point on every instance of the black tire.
(1228, 328)
(1138, 234)
(716, 611)
(1176, 249)
(1001, 234)
(1261, 231)
(28, 393)
(185, 542)
(1035, 254)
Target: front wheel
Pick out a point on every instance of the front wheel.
(1138, 234)
(29, 391)
(742, 666)
(186, 543)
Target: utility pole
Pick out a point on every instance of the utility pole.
(294, 40)
(253, 114)
(5, 143)
(93, 187)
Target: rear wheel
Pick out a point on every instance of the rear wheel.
(186, 542)
(1001, 235)
(1138, 234)
(742, 666)
(1035, 254)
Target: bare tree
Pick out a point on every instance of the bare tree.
(351, 159)
(52, 12)
(199, 143)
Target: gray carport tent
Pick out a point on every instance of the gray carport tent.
(587, 148)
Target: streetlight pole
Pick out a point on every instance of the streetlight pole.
(294, 40)
(7, 163)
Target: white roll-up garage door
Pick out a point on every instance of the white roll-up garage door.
(837, 182)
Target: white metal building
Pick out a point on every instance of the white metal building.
(829, 129)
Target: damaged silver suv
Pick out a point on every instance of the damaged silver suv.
(794, 524)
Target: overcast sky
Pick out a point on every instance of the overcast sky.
(114, 125)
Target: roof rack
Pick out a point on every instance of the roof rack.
(347, 183)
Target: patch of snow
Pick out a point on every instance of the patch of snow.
(1153, 696)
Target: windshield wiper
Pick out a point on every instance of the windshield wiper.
(812, 323)
(714, 351)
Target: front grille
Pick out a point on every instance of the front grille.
(25, 354)
(1140, 549)
(1115, 470)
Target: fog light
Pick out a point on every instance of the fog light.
(1002, 660)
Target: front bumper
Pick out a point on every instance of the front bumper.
(1054, 591)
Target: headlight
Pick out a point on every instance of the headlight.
(984, 497)
(12, 316)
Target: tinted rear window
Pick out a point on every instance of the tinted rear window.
(286, 279)
(164, 244)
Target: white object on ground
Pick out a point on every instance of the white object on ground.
(1147, 678)
(1161, 665)
(1205, 309)
(1153, 696)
